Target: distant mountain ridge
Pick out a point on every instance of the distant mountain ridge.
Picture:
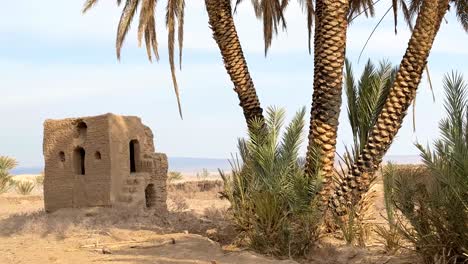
(186, 164)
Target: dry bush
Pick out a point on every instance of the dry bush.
(39, 180)
(174, 176)
(24, 187)
(357, 226)
(180, 204)
(203, 175)
(191, 189)
(389, 235)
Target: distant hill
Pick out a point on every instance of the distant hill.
(197, 164)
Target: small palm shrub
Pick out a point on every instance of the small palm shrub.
(174, 176)
(434, 199)
(6, 181)
(270, 195)
(24, 187)
(365, 99)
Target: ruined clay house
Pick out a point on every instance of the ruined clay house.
(105, 160)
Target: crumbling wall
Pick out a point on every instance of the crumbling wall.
(105, 160)
(65, 184)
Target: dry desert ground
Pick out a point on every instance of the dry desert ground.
(196, 230)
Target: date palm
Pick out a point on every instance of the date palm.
(402, 93)
(224, 33)
(329, 57)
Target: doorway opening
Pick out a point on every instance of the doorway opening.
(79, 161)
(134, 155)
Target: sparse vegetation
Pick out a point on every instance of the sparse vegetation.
(365, 101)
(389, 235)
(433, 198)
(270, 194)
(39, 180)
(203, 175)
(356, 226)
(6, 180)
(173, 176)
(24, 187)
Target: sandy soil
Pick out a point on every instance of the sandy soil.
(194, 231)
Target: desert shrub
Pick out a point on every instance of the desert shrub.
(203, 175)
(433, 199)
(270, 195)
(39, 180)
(6, 180)
(24, 187)
(174, 176)
(357, 226)
(389, 235)
(180, 203)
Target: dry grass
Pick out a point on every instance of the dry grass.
(23, 220)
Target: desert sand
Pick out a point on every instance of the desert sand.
(194, 231)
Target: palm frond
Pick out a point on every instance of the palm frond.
(270, 12)
(269, 193)
(308, 8)
(7, 163)
(175, 12)
(124, 23)
(88, 5)
(462, 12)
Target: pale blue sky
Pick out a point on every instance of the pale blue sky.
(56, 63)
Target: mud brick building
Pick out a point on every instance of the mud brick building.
(105, 160)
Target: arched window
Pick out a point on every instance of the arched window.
(81, 130)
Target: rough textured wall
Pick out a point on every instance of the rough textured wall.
(64, 186)
(135, 188)
(109, 144)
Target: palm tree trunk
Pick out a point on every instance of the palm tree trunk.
(329, 56)
(391, 117)
(225, 35)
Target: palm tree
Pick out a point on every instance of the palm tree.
(329, 57)
(221, 22)
(402, 93)
(225, 35)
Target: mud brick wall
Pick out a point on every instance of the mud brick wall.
(89, 160)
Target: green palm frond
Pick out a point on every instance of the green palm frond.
(433, 198)
(147, 30)
(365, 101)
(7, 163)
(268, 190)
(6, 180)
